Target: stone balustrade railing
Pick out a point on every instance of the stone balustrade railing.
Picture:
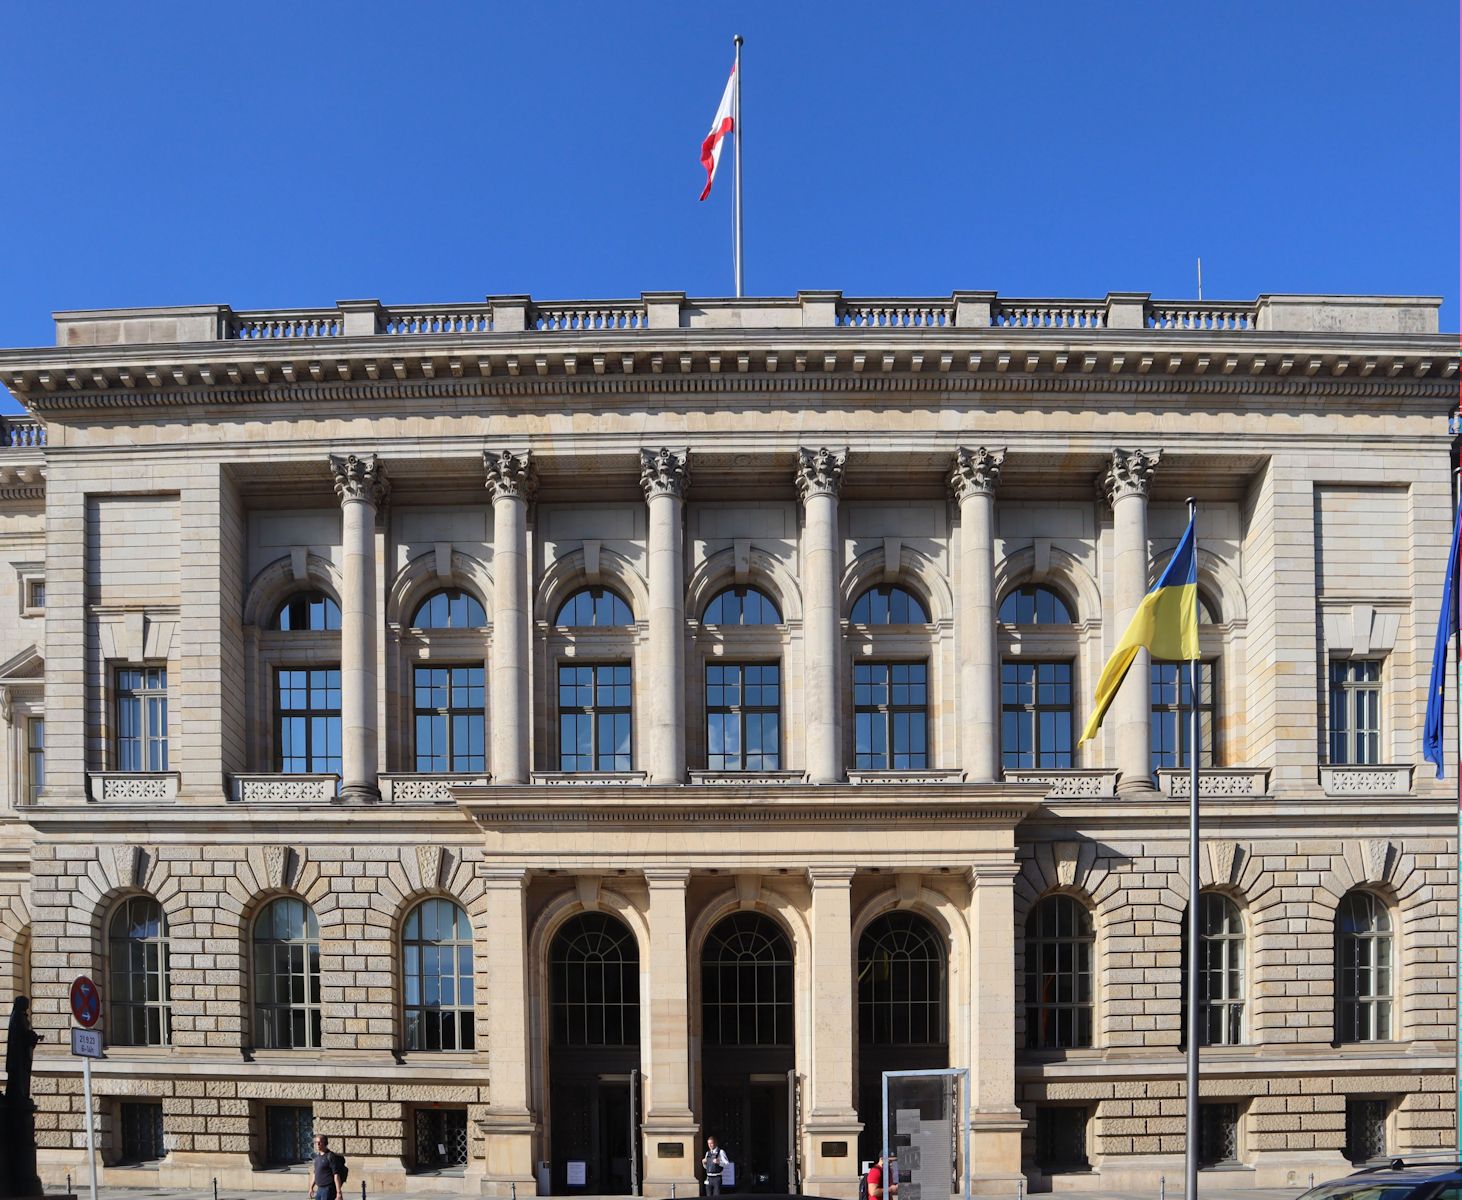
(1127, 312)
(21, 433)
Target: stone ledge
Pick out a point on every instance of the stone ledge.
(586, 778)
(1221, 781)
(427, 788)
(133, 786)
(1098, 782)
(1392, 779)
(861, 778)
(744, 778)
(279, 788)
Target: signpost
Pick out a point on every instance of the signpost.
(86, 1044)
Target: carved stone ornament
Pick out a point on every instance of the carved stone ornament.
(429, 865)
(820, 472)
(276, 866)
(1065, 856)
(359, 477)
(510, 475)
(127, 864)
(1130, 474)
(665, 472)
(975, 471)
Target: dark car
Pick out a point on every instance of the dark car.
(1396, 1179)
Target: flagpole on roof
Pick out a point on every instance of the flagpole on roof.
(1195, 973)
(736, 128)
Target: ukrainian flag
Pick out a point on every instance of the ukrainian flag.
(1166, 622)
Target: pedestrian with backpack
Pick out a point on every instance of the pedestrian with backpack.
(327, 1179)
(871, 1187)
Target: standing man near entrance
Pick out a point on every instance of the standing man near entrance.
(325, 1181)
(714, 1161)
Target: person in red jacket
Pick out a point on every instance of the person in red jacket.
(875, 1178)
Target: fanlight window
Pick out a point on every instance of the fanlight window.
(594, 983)
(741, 606)
(889, 604)
(307, 612)
(1034, 605)
(138, 953)
(900, 983)
(593, 607)
(746, 983)
(450, 608)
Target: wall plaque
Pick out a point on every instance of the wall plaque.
(669, 1149)
(835, 1149)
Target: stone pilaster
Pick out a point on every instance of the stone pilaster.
(831, 1115)
(665, 475)
(1125, 485)
(512, 481)
(996, 1116)
(819, 480)
(973, 481)
(510, 1125)
(666, 1056)
(361, 484)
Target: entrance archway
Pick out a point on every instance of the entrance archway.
(593, 1054)
(748, 1043)
(903, 1021)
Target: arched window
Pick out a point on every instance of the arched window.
(594, 607)
(1207, 610)
(307, 612)
(889, 604)
(594, 983)
(741, 606)
(746, 983)
(137, 953)
(449, 608)
(1363, 960)
(436, 946)
(1058, 974)
(1034, 605)
(901, 983)
(286, 976)
(1221, 955)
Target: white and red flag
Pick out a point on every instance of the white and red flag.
(724, 123)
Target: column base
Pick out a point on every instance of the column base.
(825, 1171)
(508, 1155)
(669, 1155)
(1128, 785)
(995, 1151)
(359, 793)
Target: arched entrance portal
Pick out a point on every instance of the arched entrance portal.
(594, 1051)
(902, 1012)
(747, 1047)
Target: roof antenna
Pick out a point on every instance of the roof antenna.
(1200, 278)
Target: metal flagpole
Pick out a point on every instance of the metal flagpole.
(1457, 517)
(1190, 1155)
(736, 125)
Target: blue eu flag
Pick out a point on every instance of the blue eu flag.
(1436, 700)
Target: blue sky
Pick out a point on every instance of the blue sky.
(169, 153)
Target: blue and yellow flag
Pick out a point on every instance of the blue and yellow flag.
(1166, 622)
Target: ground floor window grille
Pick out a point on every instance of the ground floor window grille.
(1218, 1134)
(141, 1132)
(1365, 1130)
(289, 1134)
(1061, 1139)
(441, 1138)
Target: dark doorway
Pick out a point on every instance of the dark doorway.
(594, 1049)
(902, 1012)
(748, 1039)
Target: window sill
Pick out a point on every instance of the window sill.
(1088, 782)
(280, 788)
(1393, 779)
(1175, 782)
(145, 787)
(421, 787)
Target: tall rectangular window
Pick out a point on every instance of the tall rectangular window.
(450, 719)
(1171, 731)
(35, 758)
(307, 721)
(1035, 714)
(595, 709)
(142, 719)
(1355, 710)
(891, 716)
(743, 716)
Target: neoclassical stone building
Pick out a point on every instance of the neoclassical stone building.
(518, 739)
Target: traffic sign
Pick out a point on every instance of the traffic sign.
(86, 1043)
(86, 1001)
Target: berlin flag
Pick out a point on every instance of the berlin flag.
(724, 123)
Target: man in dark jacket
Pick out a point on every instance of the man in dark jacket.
(325, 1181)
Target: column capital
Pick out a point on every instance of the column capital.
(667, 877)
(976, 472)
(510, 475)
(502, 877)
(830, 877)
(359, 477)
(665, 472)
(995, 874)
(1130, 474)
(820, 472)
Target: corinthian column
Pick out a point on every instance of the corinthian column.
(511, 480)
(819, 480)
(360, 482)
(1126, 484)
(973, 480)
(665, 474)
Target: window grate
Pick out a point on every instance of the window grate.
(441, 1138)
(142, 1132)
(1061, 1139)
(1218, 1134)
(1365, 1129)
(289, 1134)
